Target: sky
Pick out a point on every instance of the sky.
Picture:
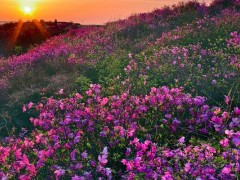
(81, 11)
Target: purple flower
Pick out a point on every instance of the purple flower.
(128, 152)
(3, 176)
(181, 140)
(78, 178)
(236, 141)
(76, 139)
(73, 154)
(93, 163)
(84, 155)
(78, 166)
(214, 82)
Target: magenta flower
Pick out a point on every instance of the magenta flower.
(224, 142)
(237, 111)
(187, 167)
(18, 154)
(217, 120)
(104, 101)
(227, 169)
(167, 176)
(4, 153)
(103, 157)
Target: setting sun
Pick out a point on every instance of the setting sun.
(27, 10)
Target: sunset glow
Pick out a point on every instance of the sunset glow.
(82, 11)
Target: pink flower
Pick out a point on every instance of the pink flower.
(78, 96)
(104, 101)
(30, 105)
(89, 92)
(229, 133)
(124, 161)
(227, 99)
(31, 168)
(224, 142)
(24, 177)
(24, 109)
(4, 153)
(18, 154)
(61, 91)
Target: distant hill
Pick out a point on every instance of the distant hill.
(17, 37)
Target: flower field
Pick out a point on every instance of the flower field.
(155, 96)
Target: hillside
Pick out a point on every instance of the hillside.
(155, 96)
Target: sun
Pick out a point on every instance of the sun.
(27, 10)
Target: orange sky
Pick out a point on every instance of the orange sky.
(82, 11)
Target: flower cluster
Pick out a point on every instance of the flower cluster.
(125, 136)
